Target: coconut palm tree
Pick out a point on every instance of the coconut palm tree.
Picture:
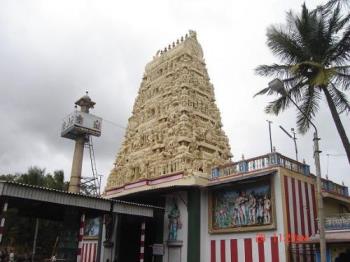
(314, 48)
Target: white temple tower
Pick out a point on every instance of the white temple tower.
(175, 125)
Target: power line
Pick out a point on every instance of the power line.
(114, 124)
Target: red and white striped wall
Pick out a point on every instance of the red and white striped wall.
(80, 237)
(246, 250)
(89, 251)
(301, 206)
(142, 241)
(2, 221)
(301, 211)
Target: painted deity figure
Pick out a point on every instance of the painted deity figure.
(174, 222)
(252, 208)
(260, 211)
(242, 200)
(236, 213)
(267, 210)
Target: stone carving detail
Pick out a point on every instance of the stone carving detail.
(175, 124)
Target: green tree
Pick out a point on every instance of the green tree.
(314, 48)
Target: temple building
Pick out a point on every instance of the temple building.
(175, 127)
(176, 156)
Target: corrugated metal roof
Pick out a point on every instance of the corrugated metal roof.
(48, 195)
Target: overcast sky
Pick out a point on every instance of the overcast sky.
(51, 52)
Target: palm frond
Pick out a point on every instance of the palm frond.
(339, 52)
(277, 106)
(285, 45)
(339, 98)
(309, 106)
(264, 91)
(275, 70)
(296, 91)
(341, 78)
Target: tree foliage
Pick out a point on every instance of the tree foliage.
(314, 50)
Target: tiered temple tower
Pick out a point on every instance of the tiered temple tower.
(175, 125)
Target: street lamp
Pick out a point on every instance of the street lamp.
(294, 139)
(277, 85)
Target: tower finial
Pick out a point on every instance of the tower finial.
(193, 34)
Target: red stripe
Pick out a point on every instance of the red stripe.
(294, 207)
(295, 214)
(302, 222)
(222, 251)
(274, 249)
(301, 205)
(248, 253)
(142, 256)
(261, 251)
(82, 253)
(87, 252)
(308, 213)
(286, 188)
(314, 207)
(234, 251)
(142, 243)
(212, 251)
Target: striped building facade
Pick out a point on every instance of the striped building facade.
(300, 218)
(89, 251)
(296, 217)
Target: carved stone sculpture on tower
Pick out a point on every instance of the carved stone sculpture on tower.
(175, 124)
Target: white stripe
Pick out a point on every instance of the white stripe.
(306, 214)
(312, 215)
(291, 206)
(143, 225)
(218, 250)
(267, 249)
(142, 237)
(255, 250)
(142, 250)
(2, 222)
(228, 250)
(296, 184)
(240, 248)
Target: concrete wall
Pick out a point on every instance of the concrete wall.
(221, 243)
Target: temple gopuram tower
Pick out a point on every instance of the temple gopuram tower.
(175, 130)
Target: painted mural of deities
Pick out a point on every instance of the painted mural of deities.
(242, 206)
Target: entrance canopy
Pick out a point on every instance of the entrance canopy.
(47, 200)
